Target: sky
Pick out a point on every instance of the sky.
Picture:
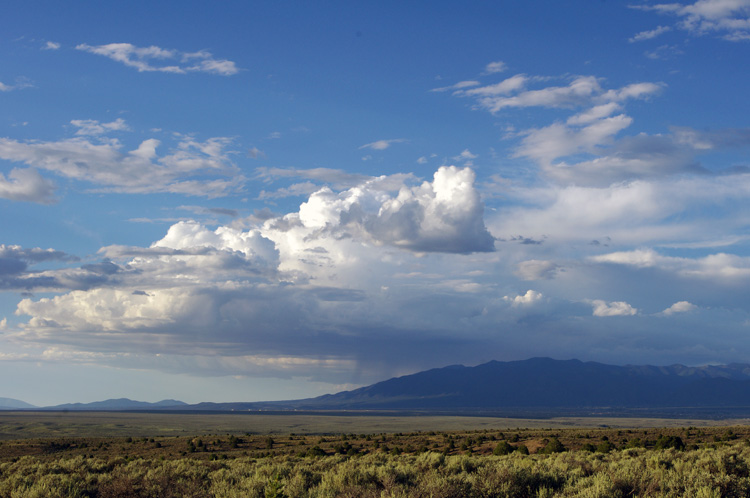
(246, 201)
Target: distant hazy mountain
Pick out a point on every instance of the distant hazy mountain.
(13, 404)
(541, 383)
(119, 404)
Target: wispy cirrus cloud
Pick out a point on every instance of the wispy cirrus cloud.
(383, 144)
(20, 84)
(157, 59)
(649, 34)
(318, 177)
(94, 127)
(458, 86)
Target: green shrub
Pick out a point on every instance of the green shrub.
(503, 448)
(553, 446)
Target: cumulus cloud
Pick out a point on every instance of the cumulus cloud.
(383, 144)
(153, 58)
(679, 307)
(306, 283)
(495, 67)
(27, 185)
(728, 18)
(191, 168)
(50, 45)
(223, 296)
(445, 215)
(614, 308)
(466, 155)
(527, 299)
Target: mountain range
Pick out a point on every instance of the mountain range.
(537, 386)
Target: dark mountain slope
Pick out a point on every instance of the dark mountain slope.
(543, 382)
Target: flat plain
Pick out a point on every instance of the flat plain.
(165, 455)
(29, 424)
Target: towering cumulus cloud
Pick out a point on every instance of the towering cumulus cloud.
(445, 215)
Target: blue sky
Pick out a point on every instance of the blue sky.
(254, 201)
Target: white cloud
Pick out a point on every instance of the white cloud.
(383, 144)
(594, 114)
(444, 216)
(51, 46)
(558, 140)
(642, 258)
(650, 34)
(191, 168)
(495, 67)
(27, 185)
(94, 127)
(679, 307)
(581, 91)
(728, 18)
(224, 296)
(4, 323)
(635, 213)
(527, 299)
(592, 131)
(466, 155)
(614, 308)
(145, 58)
(720, 266)
(20, 84)
(487, 94)
(458, 86)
